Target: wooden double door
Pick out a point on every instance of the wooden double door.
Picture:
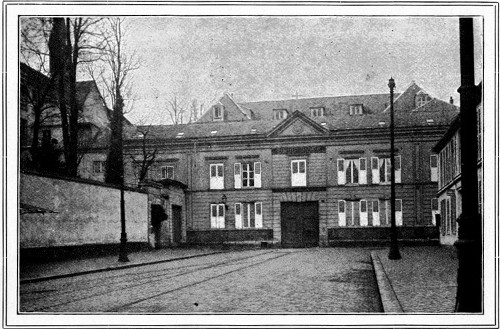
(299, 224)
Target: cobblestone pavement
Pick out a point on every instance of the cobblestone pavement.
(424, 280)
(257, 281)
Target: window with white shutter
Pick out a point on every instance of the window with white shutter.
(363, 213)
(341, 213)
(375, 213)
(362, 171)
(340, 172)
(237, 216)
(258, 179)
(237, 175)
(299, 173)
(258, 215)
(399, 212)
(352, 171)
(217, 215)
(397, 168)
(375, 172)
(216, 176)
(435, 210)
(434, 168)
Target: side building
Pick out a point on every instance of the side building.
(448, 203)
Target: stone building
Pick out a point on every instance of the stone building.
(302, 172)
(449, 197)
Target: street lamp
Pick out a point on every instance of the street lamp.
(394, 249)
(123, 238)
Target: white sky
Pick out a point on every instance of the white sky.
(263, 58)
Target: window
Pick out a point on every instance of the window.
(434, 168)
(217, 215)
(248, 215)
(98, 167)
(280, 114)
(375, 213)
(399, 212)
(247, 175)
(434, 209)
(218, 112)
(216, 176)
(299, 173)
(351, 171)
(317, 112)
(356, 109)
(341, 212)
(382, 174)
(363, 213)
(167, 172)
(421, 99)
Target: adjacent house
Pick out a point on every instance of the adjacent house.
(301, 172)
(449, 197)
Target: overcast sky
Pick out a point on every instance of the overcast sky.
(264, 58)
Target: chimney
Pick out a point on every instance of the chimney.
(451, 100)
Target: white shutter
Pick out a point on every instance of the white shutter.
(434, 168)
(397, 169)
(258, 215)
(362, 171)
(221, 216)
(375, 172)
(375, 213)
(217, 176)
(341, 212)
(340, 172)
(237, 175)
(363, 213)
(257, 176)
(213, 216)
(237, 216)
(399, 212)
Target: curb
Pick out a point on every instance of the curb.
(107, 269)
(390, 302)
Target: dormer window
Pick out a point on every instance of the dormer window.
(218, 114)
(317, 112)
(421, 99)
(356, 109)
(280, 114)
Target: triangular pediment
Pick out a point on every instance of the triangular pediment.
(298, 124)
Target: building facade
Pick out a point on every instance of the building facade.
(448, 203)
(302, 172)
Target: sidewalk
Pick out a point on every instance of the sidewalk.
(38, 272)
(423, 281)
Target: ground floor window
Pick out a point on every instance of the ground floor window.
(217, 215)
(368, 212)
(248, 214)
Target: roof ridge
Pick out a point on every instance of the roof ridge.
(319, 97)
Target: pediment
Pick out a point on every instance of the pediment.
(298, 124)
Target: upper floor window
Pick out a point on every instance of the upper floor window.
(247, 175)
(434, 168)
(317, 112)
(351, 171)
(167, 172)
(381, 170)
(248, 215)
(421, 99)
(299, 173)
(356, 109)
(216, 176)
(98, 167)
(218, 112)
(279, 114)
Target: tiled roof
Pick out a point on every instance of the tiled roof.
(337, 116)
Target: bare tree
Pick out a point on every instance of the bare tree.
(195, 111)
(147, 155)
(120, 63)
(176, 110)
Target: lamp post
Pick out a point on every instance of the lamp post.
(123, 237)
(394, 249)
(469, 248)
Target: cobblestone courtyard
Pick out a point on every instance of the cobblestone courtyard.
(257, 281)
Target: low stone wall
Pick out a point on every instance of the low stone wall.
(230, 236)
(343, 235)
(57, 212)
